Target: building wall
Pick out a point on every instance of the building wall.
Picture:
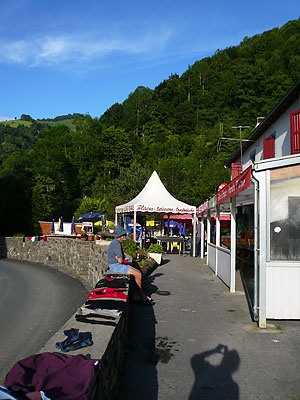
(281, 131)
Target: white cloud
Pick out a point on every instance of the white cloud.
(2, 118)
(79, 49)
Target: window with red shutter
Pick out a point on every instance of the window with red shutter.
(236, 169)
(295, 132)
(269, 147)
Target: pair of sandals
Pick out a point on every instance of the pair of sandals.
(75, 340)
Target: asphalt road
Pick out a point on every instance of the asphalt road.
(35, 301)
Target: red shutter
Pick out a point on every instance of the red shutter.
(236, 169)
(269, 147)
(295, 132)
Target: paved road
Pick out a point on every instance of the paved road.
(35, 301)
(194, 344)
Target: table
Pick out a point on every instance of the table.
(170, 239)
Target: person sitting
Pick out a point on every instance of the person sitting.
(115, 259)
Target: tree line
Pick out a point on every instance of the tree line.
(48, 172)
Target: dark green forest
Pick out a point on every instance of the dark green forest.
(52, 171)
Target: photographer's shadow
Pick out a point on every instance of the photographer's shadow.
(213, 371)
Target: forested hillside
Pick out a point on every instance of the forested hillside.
(174, 129)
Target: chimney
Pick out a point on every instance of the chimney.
(259, 120)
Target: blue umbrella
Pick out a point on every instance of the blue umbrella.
(149, 229)
(91, 216)
(183, 230)
(73, 230)
(52, 227)
(61, 226)
(120, 221)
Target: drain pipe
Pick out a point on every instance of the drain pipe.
(256, 249)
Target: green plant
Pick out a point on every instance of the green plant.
(155, 248)
(143, 252)
(129, 247)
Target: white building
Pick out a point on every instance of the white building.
(265, 190)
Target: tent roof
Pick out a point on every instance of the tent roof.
(155, 198)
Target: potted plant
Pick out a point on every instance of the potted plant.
(83, 236)
(97, 236)
(155, 251)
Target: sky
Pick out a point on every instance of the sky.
(81, 56)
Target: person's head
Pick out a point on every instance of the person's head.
(120, 233)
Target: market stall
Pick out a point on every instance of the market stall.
(155, 199)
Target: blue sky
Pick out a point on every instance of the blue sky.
(66, 56)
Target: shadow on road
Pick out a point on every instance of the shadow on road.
(213, 371)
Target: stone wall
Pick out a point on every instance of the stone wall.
(84, 260)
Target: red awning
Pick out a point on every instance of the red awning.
(179, 216)
(236, 186)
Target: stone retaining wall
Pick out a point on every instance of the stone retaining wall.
(86, 261)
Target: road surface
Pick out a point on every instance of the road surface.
(35, 301)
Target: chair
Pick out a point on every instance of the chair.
(176, 245)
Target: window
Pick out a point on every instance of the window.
(295, 132)
(269, 147)
(285, 213)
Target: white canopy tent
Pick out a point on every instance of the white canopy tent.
(155, 198)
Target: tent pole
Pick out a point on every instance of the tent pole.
(194, 234)
(134, 225)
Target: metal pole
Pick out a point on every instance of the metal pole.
(134, 225)
(256, 189)
(262, 318)
(218, 236)
(232, 243)
(241, 140)
(194, 234)
(202, 237)
(208, 229)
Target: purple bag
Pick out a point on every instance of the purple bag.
(59, 376)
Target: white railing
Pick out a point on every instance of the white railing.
(211, 256)
(224, 264)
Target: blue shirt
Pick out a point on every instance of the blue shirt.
(114, 250)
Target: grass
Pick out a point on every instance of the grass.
(16, 122)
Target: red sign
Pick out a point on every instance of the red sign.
(203, 207)
(237, 185)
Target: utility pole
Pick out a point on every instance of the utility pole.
(241, 140)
